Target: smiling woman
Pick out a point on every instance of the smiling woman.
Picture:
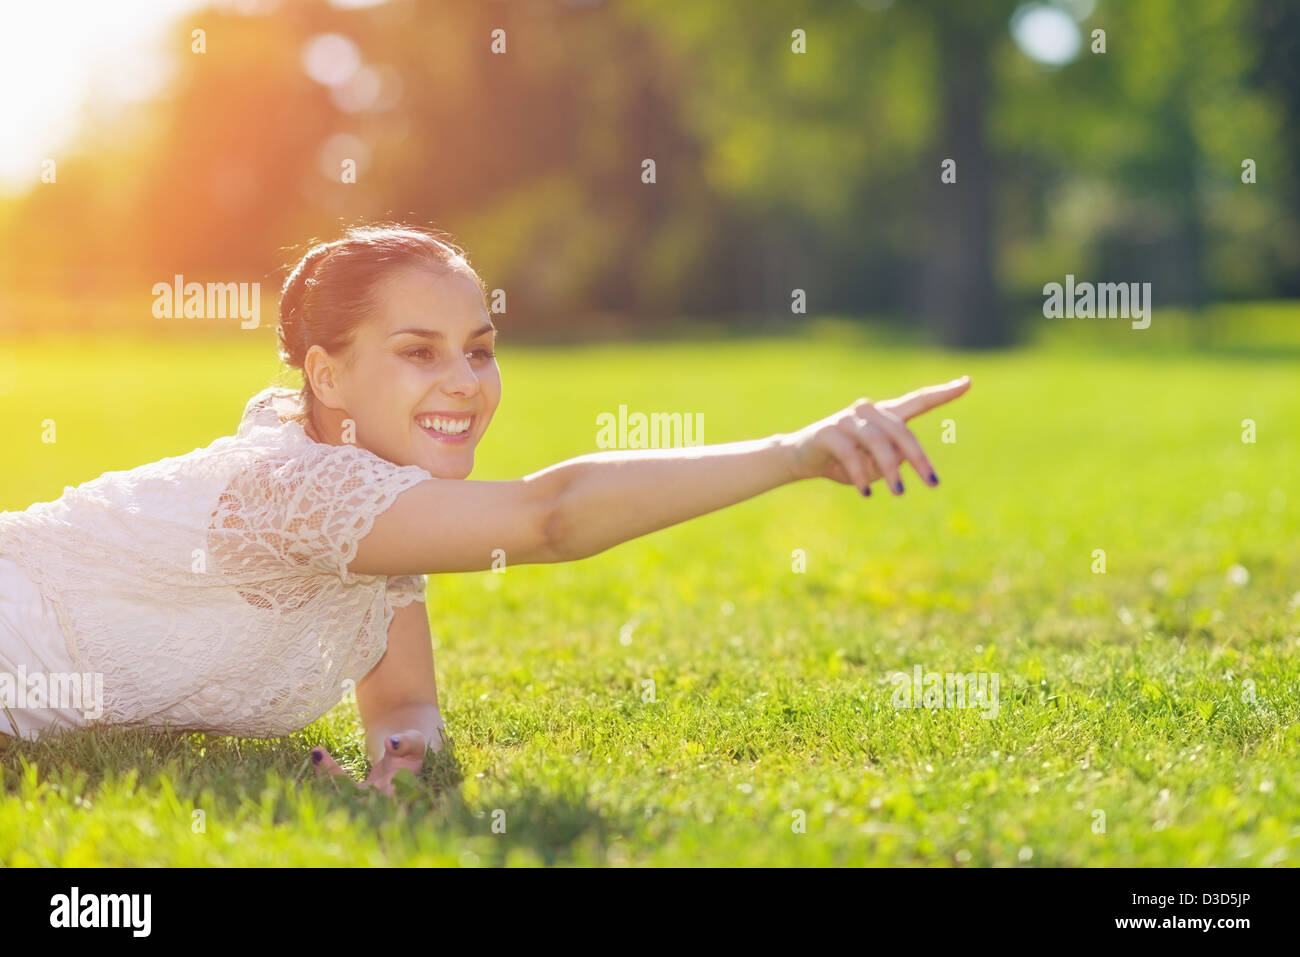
(242, 587)
(373, 382)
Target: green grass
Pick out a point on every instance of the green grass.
(1160, 693)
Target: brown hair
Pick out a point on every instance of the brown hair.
(332, 288)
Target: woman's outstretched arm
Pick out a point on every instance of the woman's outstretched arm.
(587, 504)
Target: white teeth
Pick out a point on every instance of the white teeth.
(446, 426)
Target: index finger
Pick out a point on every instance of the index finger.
(923, 400)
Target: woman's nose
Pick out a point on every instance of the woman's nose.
(461, 380)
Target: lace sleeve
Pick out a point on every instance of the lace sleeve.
(311, 512)
(404, 589)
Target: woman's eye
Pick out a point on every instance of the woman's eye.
(424, 354)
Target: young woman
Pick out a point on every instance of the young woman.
(242, 588)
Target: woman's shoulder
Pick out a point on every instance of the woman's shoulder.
(272, 426)
(273, 407)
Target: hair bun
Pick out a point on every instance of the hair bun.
(292, 329)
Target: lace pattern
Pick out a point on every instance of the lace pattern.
(211, 589)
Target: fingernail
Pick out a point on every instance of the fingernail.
(934, 479)
(898, 487)
(394, 742)
(316, 755)
(865, 490)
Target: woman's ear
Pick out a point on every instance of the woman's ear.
(321, 372)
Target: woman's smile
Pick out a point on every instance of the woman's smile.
(456, 428)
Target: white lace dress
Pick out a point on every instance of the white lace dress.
(205, 592)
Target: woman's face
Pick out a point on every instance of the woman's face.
(421, 382)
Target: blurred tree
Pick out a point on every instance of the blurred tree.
(960, 294)
(776, 170)
(1132, 159)
(1277, 70)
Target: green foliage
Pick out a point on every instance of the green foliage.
(776, 170)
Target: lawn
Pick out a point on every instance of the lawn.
(691, 698)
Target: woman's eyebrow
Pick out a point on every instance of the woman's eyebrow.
(436, 334)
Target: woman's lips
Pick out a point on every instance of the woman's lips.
(426, 425)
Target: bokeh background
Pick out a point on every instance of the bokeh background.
(775, 170)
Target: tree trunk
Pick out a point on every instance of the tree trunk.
(959, 296)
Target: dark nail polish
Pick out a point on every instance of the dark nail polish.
(934, 479)
(865, 490)
(898, 487)
(394, 742)
(316, 757)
